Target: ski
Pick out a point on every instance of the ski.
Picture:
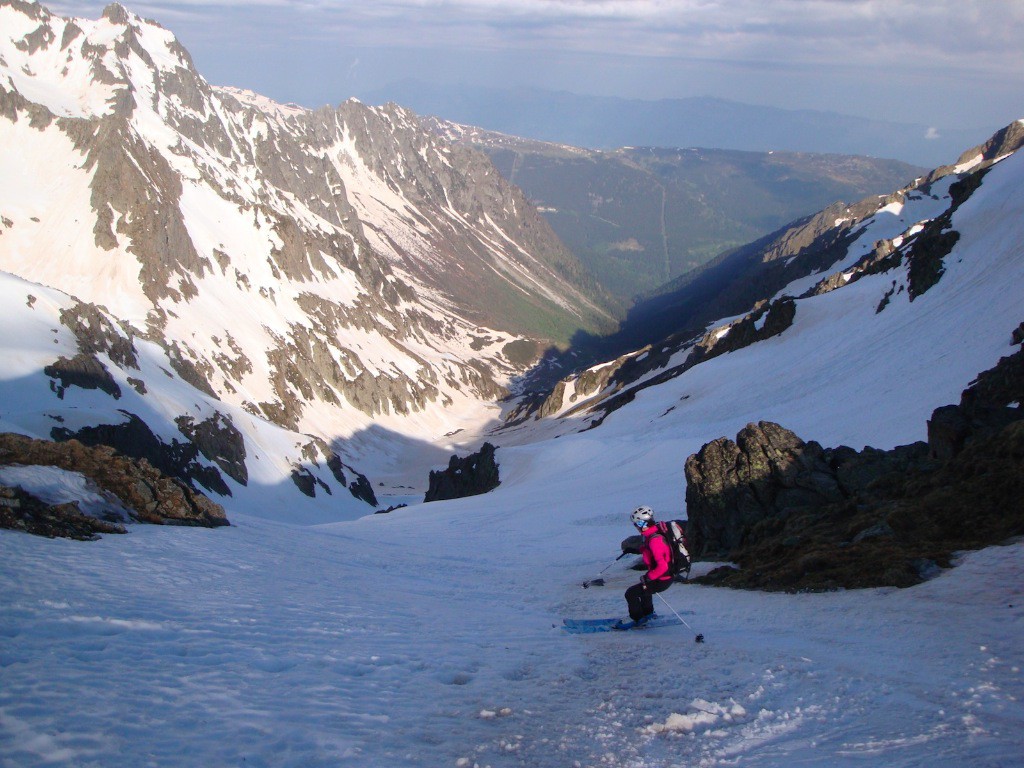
(613, 624)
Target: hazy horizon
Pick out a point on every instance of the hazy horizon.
(945, 64)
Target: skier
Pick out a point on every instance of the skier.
(658, 559)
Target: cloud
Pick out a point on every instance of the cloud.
(934, 56)
(867, 32)
(932, 134)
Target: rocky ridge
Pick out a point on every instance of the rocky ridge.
(465, 476)
(149, 495)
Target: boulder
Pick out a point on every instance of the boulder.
(732, 486)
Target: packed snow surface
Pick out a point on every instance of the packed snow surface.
(429, 640)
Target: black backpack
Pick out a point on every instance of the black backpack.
(674, 532)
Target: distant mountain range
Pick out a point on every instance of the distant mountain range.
(599, 122)
(903, 242)
(641, 217)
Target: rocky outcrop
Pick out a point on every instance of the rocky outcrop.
(470, 476)
(989, 404)
(733, 486)
(21, 511)
(96, 334)
(796, 516)
(763, 322)
(307, 482)
(135, 439)
(83, 371)
(219, 440)
(149, 495)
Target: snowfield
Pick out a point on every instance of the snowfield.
(431, 636)
(427, 639)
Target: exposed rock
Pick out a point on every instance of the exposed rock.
(307, 482)
(765, 321)
(360, 488)
(613, 379)
(96, 334)
(732, 486)
(1018, 334)
(471, 476)
(799, 517)
(931, 246)
(84, 371)
(21, 511)
(151, 496)
(135, 439)
(363, 490)
(218, 440)
(991, 402)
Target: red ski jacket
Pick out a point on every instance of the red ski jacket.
(657, 556)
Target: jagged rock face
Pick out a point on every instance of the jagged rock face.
(288, 261)
(768, 473)
(797, 516)
(151, 496)
(469, 476)
(731, 486)
(986, 407)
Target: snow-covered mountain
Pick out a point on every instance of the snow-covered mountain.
(267, 282)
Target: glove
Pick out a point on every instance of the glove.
(643, 581)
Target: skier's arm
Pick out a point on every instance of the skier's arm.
(661, 557)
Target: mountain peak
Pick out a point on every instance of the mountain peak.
(117, 14)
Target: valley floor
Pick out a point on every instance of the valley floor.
(421, 642)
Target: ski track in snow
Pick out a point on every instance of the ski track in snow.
(267, 645)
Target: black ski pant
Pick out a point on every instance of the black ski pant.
(640, 597)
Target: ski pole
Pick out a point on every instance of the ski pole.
(699, 638)
(600, 582)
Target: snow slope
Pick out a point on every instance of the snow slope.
(266, 645)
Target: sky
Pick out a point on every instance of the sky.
(947, 63)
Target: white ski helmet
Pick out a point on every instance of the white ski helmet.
(642, 517)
